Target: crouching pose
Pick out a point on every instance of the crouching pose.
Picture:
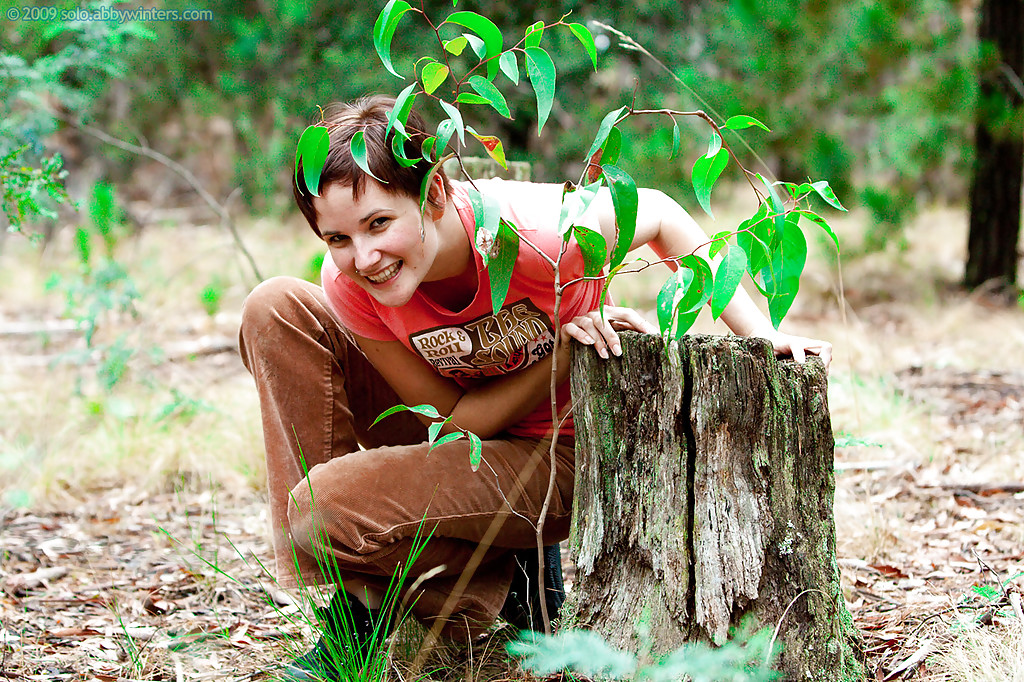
(404, 316)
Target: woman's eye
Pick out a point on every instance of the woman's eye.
(379, 222)
(337, 239)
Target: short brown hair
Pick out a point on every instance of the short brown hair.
(369, 114)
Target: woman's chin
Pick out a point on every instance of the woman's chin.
(390, 296)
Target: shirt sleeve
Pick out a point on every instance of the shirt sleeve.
(352, 306)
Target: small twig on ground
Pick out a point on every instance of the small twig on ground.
(985, 567)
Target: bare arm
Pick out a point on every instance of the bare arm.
(671, 231)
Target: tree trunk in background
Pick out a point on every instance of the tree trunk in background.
(999, 142)
(704, 493)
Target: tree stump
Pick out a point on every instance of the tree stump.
(704, 493)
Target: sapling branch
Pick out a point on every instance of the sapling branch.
(556, 429)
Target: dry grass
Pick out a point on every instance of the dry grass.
(981, 655)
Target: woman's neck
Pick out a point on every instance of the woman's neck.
(453, 282)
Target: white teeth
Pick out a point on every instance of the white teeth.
(385, 274)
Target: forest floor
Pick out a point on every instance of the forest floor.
(134, 525)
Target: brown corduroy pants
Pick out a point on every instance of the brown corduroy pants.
(361, 508)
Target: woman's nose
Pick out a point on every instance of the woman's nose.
(366, 255)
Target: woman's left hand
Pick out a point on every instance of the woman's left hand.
(600, 333)
(799, 347)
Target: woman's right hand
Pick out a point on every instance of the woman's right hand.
(601, 333)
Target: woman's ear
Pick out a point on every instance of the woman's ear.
(437, 198)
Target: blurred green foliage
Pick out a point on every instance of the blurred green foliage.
(876, 95)
(49, 71)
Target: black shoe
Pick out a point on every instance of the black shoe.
(348, 629)
(522, 605)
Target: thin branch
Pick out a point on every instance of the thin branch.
(185, 173)
(629, 43)
(556, 425)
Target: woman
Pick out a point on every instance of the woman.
(404, 316)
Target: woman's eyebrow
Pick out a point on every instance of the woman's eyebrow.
(371, 213)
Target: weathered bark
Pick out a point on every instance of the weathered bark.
(999, 149)
(704, 494)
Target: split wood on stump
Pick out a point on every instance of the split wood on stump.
(704, 493)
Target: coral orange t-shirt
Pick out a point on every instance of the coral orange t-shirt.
(473, 343)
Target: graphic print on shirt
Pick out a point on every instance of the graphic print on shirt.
(518, 336)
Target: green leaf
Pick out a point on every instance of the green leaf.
(718, 242)
(742, 121)
(446, 438)
(534, 32)
(714, 144)
(594, 248)
(684, 321)
(486, 216)
(455, 116)
(575, 204)
(491, 94)
(384, 31)
(826, 193)
(434, 429)
(699, 292)
(509, 66)
(357, 147)
(778, 208)
(727, 279)
(433, 74)
(479, 47)
(425, 183)
(445, 130)
(587, 39)
(314, 143)
(427, 148)
(426, 410)
(753, 236)
(476, 450)
(493, 146)
(612, 147)
(675, 139)
(793, 189)
(706, 171)
(398, 151)
(822, 223)
(470, 98)
(400, 112)
(455, 46)
(607, 282)
(603, 130)
(668, 298)
(542, 77)
(487, 31)
(625, 200)
(781, 276)
(499, 270)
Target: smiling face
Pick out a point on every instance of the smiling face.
(375, 240)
